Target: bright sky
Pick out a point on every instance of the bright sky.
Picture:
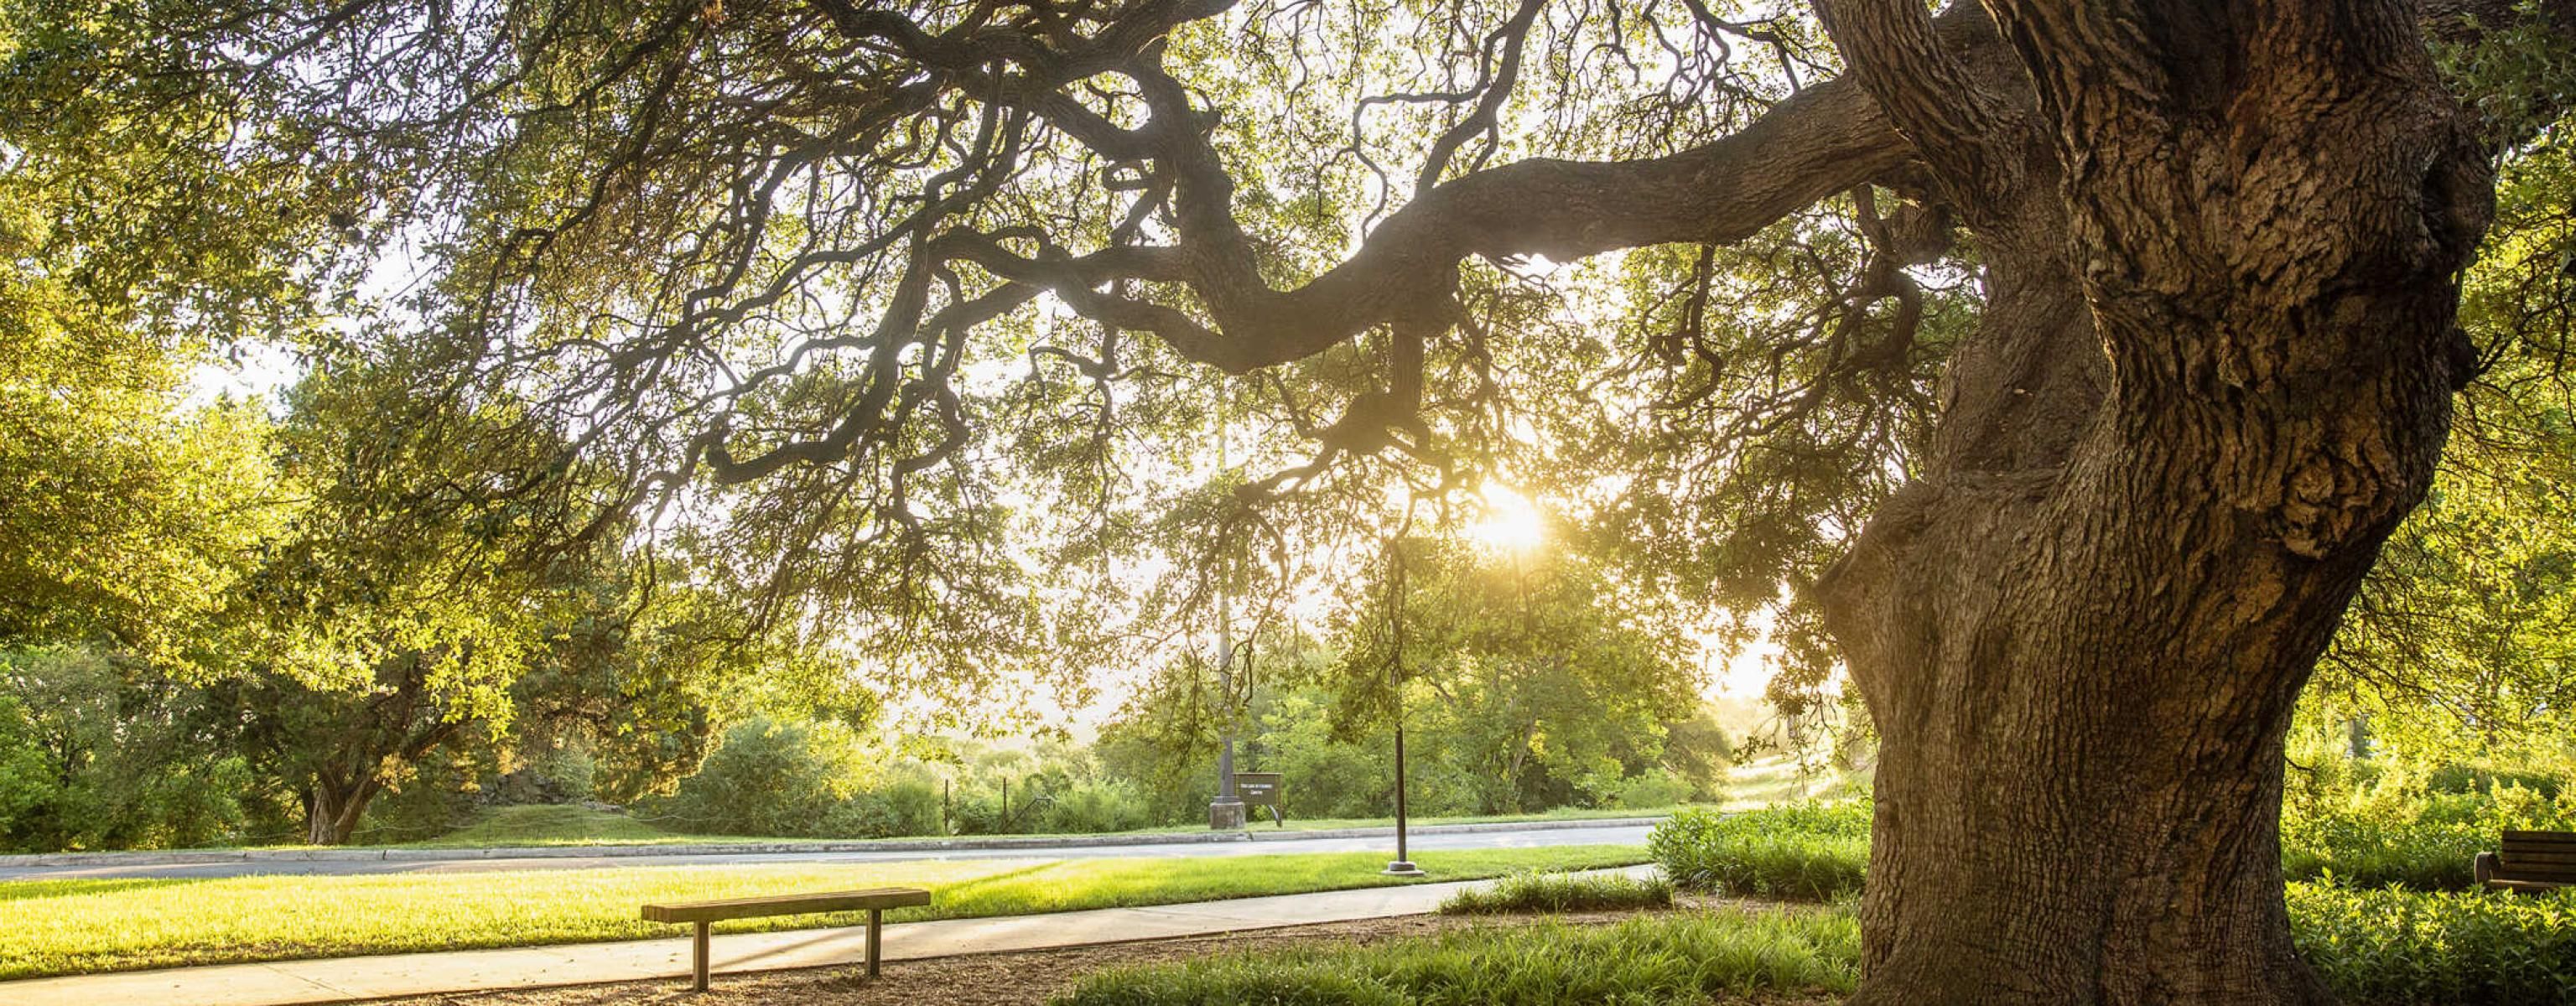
(262, 370)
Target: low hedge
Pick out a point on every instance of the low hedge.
(1561, 892)
(1807, 852)
(2469, 948)
(2389, 945)
(2425, 842)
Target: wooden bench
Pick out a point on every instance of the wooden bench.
(874, 901)
(2530, 861)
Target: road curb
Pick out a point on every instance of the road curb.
(1035, 842)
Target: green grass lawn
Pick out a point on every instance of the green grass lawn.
(73, 926)
(1780, 779)
(1677, 958)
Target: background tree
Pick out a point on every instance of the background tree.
(99, 753)
(127, 510)
(1525, 672)
(1527, 685)
(2458, 645)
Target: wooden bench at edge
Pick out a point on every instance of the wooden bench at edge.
(873, 901)
(2530, 861)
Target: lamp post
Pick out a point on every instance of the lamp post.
(1510, 525)
(1225, 813)
(1403, 864)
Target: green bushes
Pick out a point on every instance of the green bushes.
(1809, 852)
(2406, 829)
(2402, 948)
(98, 754)
(2392, 833)
(823, 780)
(2469, 777)
(1561, 892)
(905, 803)
(1653, 788)
(1652, 960)
(769, 777)
(802, 780)
(2374, 948)
(2388, 945)
(1094, 806)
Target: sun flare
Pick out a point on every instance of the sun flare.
(1508, 522)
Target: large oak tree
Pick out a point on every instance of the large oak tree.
(2205, 366)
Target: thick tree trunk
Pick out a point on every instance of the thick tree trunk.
(2214, 372)
(332, 810)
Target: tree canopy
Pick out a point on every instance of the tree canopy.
(2058, 371)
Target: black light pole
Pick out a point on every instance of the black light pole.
(1403, 865)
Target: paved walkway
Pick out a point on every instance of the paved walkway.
(350, 978)
(239, 862)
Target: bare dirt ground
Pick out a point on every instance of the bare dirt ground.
(1017, 979)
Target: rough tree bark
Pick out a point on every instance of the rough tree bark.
(2221, 244)
(333, 807)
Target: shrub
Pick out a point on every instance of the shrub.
(907, 804)
(1811, 852)
(2478, 778)
(2399, 834)
(2400, 948)
(2383, 948)
(768, 777)
(1093, 807)
(1561, 892)
(1652, 788)
(26, 778)
(1656, 959)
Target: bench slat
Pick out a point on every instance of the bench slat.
(2512, 837)
(2560, 873)
(787, 904)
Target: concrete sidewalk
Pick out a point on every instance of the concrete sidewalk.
(351, 978)
(31, 863)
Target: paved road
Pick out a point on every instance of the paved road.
(1625, 834)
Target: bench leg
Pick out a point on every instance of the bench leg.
(699, 946)
(875, 939)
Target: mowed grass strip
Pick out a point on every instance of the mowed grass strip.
(77, 926)
(1670, 958)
